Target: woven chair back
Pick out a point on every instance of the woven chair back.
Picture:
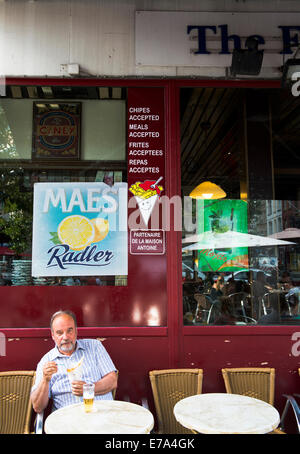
(257, 382)
(15, 403)
(168, 387)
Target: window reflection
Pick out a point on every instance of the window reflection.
(245, 140)
(222, 286)
(102, 159)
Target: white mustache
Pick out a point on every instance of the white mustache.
(68, 343)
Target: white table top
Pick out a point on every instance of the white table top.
(109, 417)
(222, 413)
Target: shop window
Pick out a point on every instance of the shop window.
(81, 138)
(241, 252)
(102, 128)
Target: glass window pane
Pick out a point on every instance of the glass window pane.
(102, 129)
(101, 159)
(241, 250)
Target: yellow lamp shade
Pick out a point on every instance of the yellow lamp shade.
(207, 190)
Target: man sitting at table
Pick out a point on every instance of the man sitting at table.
(52, 379)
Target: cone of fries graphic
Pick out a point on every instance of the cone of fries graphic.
(146, 194)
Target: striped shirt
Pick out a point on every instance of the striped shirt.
(96, 364)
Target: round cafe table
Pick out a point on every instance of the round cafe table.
(108, 417)
(221, 413)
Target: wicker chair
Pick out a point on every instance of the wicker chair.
(168, 387)
(15, 403)
(258, 382)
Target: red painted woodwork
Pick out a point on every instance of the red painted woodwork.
(132, 305)
(110, 312)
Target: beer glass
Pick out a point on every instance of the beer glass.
(88, 397)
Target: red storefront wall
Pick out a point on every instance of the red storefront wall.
(107, 312)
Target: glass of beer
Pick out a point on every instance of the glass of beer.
(88, 397)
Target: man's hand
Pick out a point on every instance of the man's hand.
(77, 387)
(49, 369)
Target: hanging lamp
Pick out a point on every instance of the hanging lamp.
(207, 190)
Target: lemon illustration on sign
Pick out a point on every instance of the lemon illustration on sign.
(76, 231)
(101, 228)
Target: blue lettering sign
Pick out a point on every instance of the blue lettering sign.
(61, 257)
(201, 36)
(225, 38)
(288, 40)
